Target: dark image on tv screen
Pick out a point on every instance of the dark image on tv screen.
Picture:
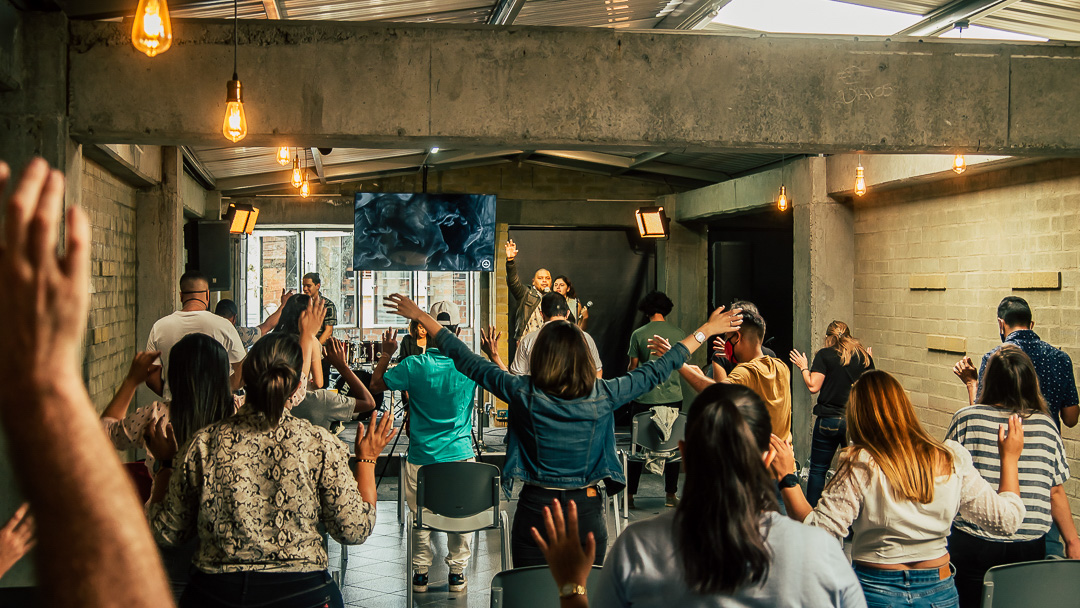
(439, 232)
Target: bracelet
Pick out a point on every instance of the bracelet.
(354, 461)
(805, 369)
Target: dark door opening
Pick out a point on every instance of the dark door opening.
(750, 258)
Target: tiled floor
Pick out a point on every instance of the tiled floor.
(377, 574)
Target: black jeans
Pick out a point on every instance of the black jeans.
(973, 556)
(262, 590)
(829, 434)
(634, 468)
(530, 512)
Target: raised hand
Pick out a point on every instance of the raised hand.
(718, 343)
(389, 342)
(658, 345)
(489, 341)
(161, 440)
(798, 359)
(285, 295)
(1011, 438)
(371, 440)
(311, 319)
(336, 353)
(568, 561)
(142, 366)
(721, 322)
(43, 343)
(401, 305)
(783, 462)
(16, 538)
(965, 370)
(511, 250)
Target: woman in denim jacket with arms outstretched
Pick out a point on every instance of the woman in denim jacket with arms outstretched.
(561, 442)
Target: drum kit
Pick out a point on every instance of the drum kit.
(363, 352)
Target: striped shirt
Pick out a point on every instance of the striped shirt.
(1042, 464)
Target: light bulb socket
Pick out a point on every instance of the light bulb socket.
(233, 91)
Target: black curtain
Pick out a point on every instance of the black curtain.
(604, 269)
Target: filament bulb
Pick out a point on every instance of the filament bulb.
(860, 181)
(152, 31)
(959, 165)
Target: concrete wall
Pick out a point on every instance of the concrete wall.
(111, 341)
(932, 263)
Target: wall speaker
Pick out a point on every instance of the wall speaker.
(207, 243)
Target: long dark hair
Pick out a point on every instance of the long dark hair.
(199, 381)
(272, 373)
(718, 522)
(1010, 382)
(289, 321)
(560, 363)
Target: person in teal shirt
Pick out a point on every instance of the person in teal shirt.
(656, 306)
(440, 430)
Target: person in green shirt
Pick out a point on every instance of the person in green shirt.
(656, 306)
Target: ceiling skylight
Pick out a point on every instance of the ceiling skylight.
(814, 17)
(976, 32)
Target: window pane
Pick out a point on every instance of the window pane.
(450, 287)
(383, 284)
(273, 264)
(333, 262)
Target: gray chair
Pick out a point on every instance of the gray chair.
(645, 436)
(1052, 583)
(530, 587)
(459, 497)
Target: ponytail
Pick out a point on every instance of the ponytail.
(838, 336)
(718, 522)
(272, 374)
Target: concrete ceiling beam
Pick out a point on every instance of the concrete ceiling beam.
(595, 89)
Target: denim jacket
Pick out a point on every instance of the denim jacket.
(561, 443)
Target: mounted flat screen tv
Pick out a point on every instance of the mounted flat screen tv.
(436, 232)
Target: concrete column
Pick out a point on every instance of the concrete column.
(824, 272)
(159, 224)
(33, 112)
(682, 272)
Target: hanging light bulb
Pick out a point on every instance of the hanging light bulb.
(860, 180)
(283, 156)
(152, 31)
(297, 176)
(959, 165)
(782, 200)
(235, 125)
(305, 190)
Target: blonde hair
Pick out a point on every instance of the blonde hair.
(838, 336)
(882, 422)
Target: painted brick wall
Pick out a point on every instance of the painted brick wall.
(111, 332)
(909, 244)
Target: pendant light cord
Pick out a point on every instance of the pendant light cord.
(234, 36)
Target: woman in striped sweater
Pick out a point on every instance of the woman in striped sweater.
(1010, 387)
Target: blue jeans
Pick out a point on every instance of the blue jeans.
(829, 434)
(914, 588)
(1054, 546)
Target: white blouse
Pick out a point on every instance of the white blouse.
(888, 531)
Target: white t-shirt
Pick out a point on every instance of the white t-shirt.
(169, 330)
(521, 365)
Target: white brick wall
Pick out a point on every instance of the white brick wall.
(978, 239)
(111, 333)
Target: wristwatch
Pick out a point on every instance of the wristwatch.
(789, 481)
(164, 463)
(700, 337)
(571, 589)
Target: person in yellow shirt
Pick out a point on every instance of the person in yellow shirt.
(769, 377)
